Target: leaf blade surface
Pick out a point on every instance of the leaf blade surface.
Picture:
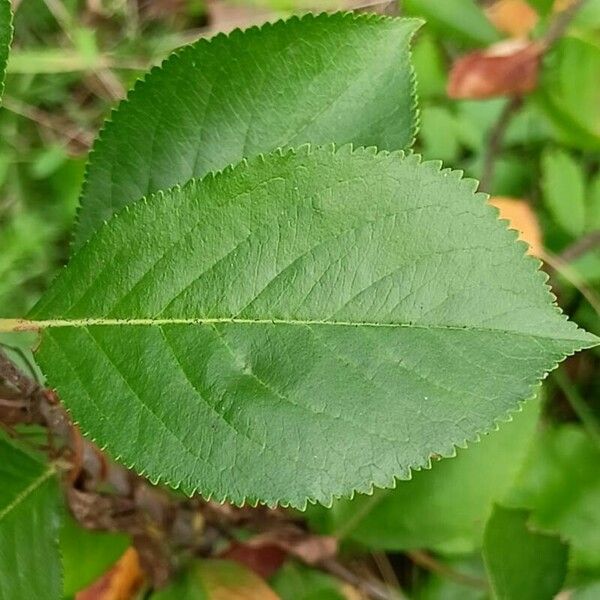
(320, 79)
(254, 334)
(29, 521)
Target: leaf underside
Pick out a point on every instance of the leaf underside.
(300, 326)
(319, 79)
(29, 520)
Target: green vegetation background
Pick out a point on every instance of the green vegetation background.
(73, 60)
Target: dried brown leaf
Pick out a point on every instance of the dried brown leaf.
(514, 17)
(509, 68)
(121, 582)
(523, 219)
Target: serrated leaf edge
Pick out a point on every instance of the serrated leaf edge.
(470, 185)
(178, 55)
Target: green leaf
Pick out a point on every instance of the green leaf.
(297, 582)
(461, 20)
(563, 185)
(29, 521)
(17, 346)
(5, 38)
(300, 326)
(330, 78)
(216, 580)
(86, 555)
(569, 92)
(522, 563)
(439, 134)
(444, 509)
(587, 592)
(543, 7)
(430, 68)
(437, 586)
(593, 208)
(560, 485)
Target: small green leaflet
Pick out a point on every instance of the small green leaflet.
(569, 90)
(5, 38)
(29, 521)
(300, 326)
(319, 79)
(87, 555)
(563, 185)
(462, 20)
(559, 484)
(521, 562)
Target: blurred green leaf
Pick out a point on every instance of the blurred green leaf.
(84, 40)
(186, 586)
(560, 485)
(440, 587)
(429, 66)
(461, 20)
(522, 564)
(29, 521)
(543, 7)
(591, 591)
(297, 582)
(445, 508)
(48, 161)
(18, 346)
(569, 92)
(588, 17)
(593, 204)
(24, 255)
(587, 266)
(87, 554)
(528, 127)
(439, 134)
(513, 175)
(563, 186)
(475, 119)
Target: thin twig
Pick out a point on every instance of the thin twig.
(431, 564)
(581, 246)
(69, 133)
(495, 142)
(386, 569)
(573, 277)
(560, 24)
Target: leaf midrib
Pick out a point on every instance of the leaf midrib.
(26, 492)
(36, 325)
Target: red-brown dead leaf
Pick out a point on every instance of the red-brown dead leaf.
(264, 559)
(521, 218)
(509, 68)
(514, 17)
(265, 553)
(122, 582)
